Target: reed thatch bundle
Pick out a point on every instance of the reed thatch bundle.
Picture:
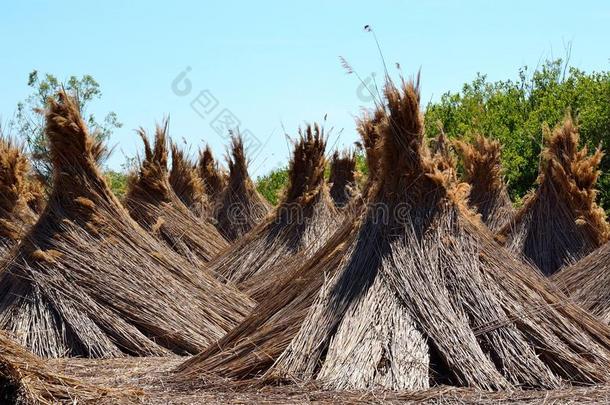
(152, 202)
(36, 193)
(26, 379)
(440, 147)
(415, 293)
(483, 172)
(240, 207)
(214, 179)
(302, 222)
(560, 222)
(343, 178)
(367, 128)
(86, 280)
(186, 183)
(587, 282)
(16, 215)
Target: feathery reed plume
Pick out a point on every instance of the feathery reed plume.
(483, 172)
(440, 148)
(240, 207)
(560, 222)
(367, 128)
(411, 295)
(302, 222)
(186, 183)
(343, 178)
(87, 281)
(16, 215)
(26, 379)
(214, 179)
(152, 202)
(36, 193)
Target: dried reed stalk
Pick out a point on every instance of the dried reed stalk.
(86, 280)
(152, 202)
(16, 215)
(302, 222)
(240, 207)
(587, 282)
(26, 379)
(343, 178)
(560, 222)
(186, 183)
(412, 293)
(483, 172)
(214, 179)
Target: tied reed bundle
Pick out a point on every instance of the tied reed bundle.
(87, 281)
(152, 202)
(343, 178)
(17, 193)
(483, 172)
(414, 295)
(560, 222)
(240, 207)
(302, 222)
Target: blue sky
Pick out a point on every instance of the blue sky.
(274, 65)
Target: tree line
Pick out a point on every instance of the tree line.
(514, 111)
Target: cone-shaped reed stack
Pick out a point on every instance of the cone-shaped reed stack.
(152, 202)
(302, 222)
(186, 183)
(86, 280)
(240, 207)
(367, 128)
(214, 179)
(560, 222)
(36, 193)
(16, 215)
(415, 293)
(440, 148)
(483, 172)
(343, 178)
(587, 282)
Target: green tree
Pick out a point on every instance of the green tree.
(117, 182)
(515, 111)
(271, 185)
(30, 113)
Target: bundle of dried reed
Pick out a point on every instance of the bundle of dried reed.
(240, 207)
(343, 178)
(588, 282)
(560, 222)
(152, 202)
(214, 179)
(483, 172)
(302, 222)
(26, 379)
(16, 215)
(86, 280)
(186, 183)
(414, 292)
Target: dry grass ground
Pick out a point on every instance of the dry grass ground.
(151, 378)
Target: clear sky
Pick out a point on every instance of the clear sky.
(274, 64)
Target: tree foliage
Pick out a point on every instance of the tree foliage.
(30, 113)
(117, 181)
(273, 184)
(515, 111)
